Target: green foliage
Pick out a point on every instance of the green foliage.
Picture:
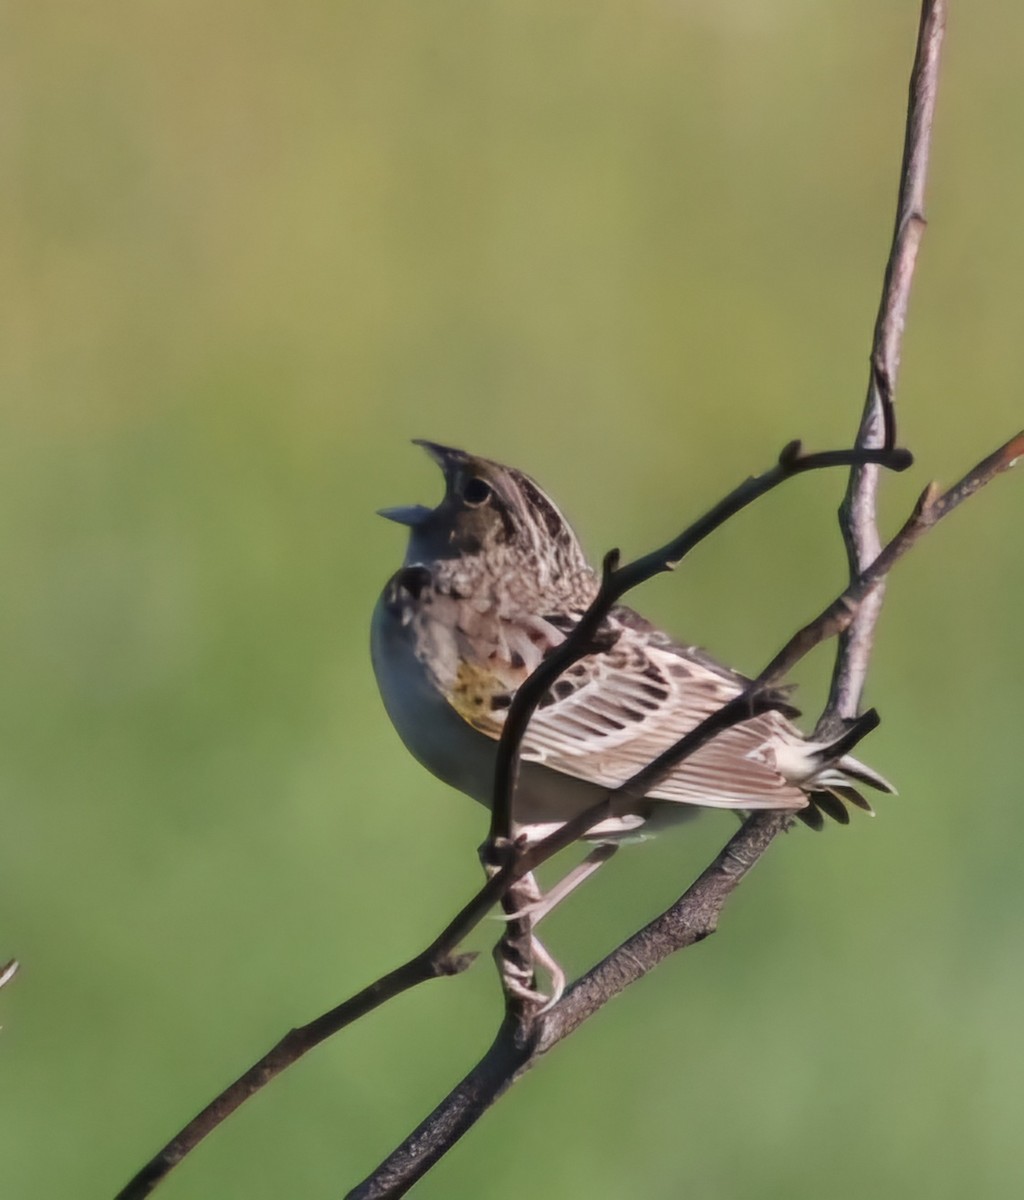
(249, 250)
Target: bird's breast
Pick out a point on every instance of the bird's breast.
(432, 729)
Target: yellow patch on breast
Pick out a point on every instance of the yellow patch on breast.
(471, 697)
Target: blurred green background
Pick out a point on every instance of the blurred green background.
(248, 251)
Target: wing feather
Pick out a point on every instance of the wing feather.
(627, 707)
(613, 713)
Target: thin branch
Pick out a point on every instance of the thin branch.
(857, 514)
(693, 917)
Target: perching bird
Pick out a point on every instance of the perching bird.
(493, 578)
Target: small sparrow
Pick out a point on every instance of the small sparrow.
(493, 579)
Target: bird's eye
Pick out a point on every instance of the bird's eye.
(476, 491)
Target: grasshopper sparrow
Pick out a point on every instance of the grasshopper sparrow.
(493, 578)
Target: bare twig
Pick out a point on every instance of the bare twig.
(857, 514)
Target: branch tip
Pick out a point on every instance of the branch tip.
(790, 453)
(926, 501)
(455, 964)
(1013, 451)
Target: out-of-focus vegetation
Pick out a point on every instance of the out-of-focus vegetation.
(249, 250)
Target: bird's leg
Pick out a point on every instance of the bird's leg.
(529, 904)
(555, 973)
(518, 951)
(525, 902)
(538, 908)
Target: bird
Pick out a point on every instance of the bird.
(493, 579)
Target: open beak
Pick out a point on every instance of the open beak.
(445, 456)
(410, 514)
(448, 459)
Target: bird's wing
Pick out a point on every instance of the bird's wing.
(613, 713)
(619, 711)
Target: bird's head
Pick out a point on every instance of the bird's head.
(494, 516)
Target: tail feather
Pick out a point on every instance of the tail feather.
(811, 816)
(831, 804)
(833, 783)
(857, 770)
(852, 796)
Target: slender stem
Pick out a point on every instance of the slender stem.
(858, 512)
